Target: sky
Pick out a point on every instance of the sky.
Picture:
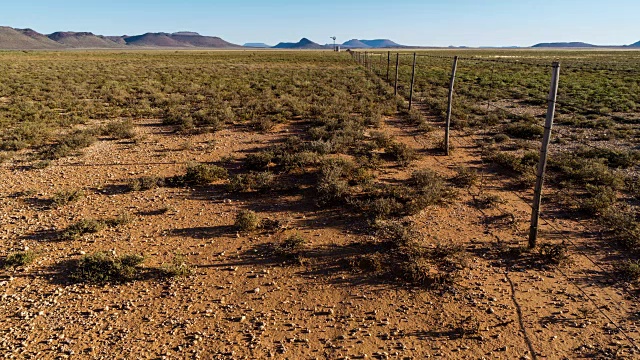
(409, 22)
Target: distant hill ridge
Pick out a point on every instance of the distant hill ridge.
(564, 45)
(304, 43)
(257, 45)
(28, 39)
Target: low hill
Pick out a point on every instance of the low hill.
(118, 39)
(304, 43)
(355, 44)
(635, 44)
(381, 43)
(177, 40)
(83, 40)
(564, 45)
(257, 45)
(25, 39)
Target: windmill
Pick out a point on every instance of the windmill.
(334, 42)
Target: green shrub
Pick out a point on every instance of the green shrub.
(21, 258)
(290, 247)
(122, 219)
(333, 185)
(253, 181)
(145, 183)
(401, 153)
(202, 174)
(524, 130)
(177, 268)
(598, 200)
(65, 197)
(119, 130)
(465, 177)
(84, 226)
(69, 143)
(247, 220)
(101, 267)
(618, 159)
(259, 161)
(628, 270)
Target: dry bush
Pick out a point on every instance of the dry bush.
(102, 267)
(65, 197)
(203, 174)
(17, 259)
(247, 220)
(465, 177)
(401, 153)
(119, 130)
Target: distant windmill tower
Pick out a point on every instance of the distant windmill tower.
(335, 48)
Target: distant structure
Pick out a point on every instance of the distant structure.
(336, 48)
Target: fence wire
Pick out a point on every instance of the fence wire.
(524, 101)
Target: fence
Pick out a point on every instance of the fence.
(481, 96)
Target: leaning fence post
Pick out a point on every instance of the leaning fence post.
(542, 165)
(450, 106)
(395, 85)
(388, 64)
(413, 77)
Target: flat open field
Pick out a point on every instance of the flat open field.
(242, 205)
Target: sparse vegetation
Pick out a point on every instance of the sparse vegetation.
(65, 197)
(247, 220)
(104, 267)
(16, 259)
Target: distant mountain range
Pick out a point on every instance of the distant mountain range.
(564, 45)
(257, 45)
(28, 39)
(371, 44)
(576, 44)
(304, 43)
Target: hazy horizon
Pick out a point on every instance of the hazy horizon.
(409, 22)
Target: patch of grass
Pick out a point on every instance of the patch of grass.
(203, 174)
(465, 177)
(178, 267)
(247, 220)
(119, 130)
(628, 270)
(253, 181)
(401, 153)
(122, 219)
(68, 144)
(82, 227)
(624, 223)
(16, 259)
(598, 199)
(101, 267)
(65, 197)
(290, 248)
(524, 130)
(145, 183)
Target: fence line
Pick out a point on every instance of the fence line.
(548, 126)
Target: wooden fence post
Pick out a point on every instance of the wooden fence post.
(388, 64)
(450, 106)
(542, 165)
(413, 78)
(395, 85)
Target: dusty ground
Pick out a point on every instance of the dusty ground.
(241, 304)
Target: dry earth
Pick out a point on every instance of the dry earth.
(241, 304)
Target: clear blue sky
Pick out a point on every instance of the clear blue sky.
(411, 22)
